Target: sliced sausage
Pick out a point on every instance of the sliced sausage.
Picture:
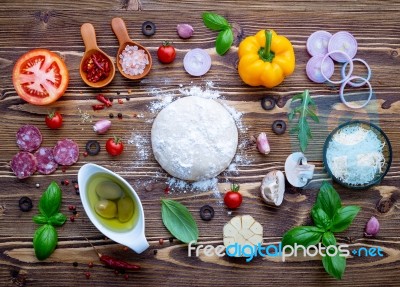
(45, 160)
(29, 138)
(23, 164)
(66, 152)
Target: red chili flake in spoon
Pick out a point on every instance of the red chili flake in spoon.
(97, 67)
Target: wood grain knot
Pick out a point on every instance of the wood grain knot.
(386, 105)
(395, 53)
(44, 16)
(385, 204)
(238, 33)
(18, 278)
(135, 5)
(156, 187)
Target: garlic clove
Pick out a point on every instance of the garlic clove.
(372, 227)
(263, 144)
(102, 126)
(273, 188)
(185, 31)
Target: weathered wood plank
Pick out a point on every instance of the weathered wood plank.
(26, 25)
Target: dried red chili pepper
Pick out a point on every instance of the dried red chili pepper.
(98, 107)
(113, 262)
(96, 67)
(101, 98)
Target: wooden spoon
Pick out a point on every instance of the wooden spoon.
(119, 28)
(89, 39)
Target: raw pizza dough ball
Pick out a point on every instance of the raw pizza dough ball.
(194, 138)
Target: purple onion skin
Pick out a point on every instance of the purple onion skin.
(372, 227)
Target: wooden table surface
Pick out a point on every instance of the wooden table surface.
(56, 25)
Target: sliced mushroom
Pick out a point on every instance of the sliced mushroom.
(298, 171)
(273, 188)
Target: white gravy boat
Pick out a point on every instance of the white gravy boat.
(133, 238)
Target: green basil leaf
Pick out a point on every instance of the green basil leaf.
(320, 218)
(214, 21)
(44, 241)
(179, 221)
(328, 199)
(328, 239)
(224, 41)
(57, 219)
(302, 235)
(49, 203)
(334, 265)
(344, 217)
(40, 219)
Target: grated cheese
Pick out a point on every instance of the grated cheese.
(355, 155)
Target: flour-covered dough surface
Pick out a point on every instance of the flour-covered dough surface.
(194, 138)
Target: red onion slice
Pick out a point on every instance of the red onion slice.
(341, 92)
(317, 43)
(313, 68)
(197, 62)
(348, 60)
(357, 84)
(345, 42)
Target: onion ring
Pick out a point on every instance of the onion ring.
(345, 42)
(313, 68)
(342, 90)
(317, 43)
(350, 69)
(197, 62)
(358, 84)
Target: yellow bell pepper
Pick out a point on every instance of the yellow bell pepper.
(265, 59)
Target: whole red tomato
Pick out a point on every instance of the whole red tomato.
(166, 53)
(114, 146)
(233, 199)
(54, 120)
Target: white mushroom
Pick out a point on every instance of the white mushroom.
(273, 188)
(298, 171)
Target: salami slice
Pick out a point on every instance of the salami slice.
(45, 160)
(23, 164)
(66, 152)
(29, 138)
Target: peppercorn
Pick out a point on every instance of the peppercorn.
(85, 154)
(155, 251)
(126, 276)
(171, 239)
(127, 98)
(71, 207)
(72, 219)
(75, 264)
(161, 241)
(87, 274)
(74, 212)
(118, 92)
(111, 115)
(120, 101)
(66, 182)
(119, 115)
(111, 99)
(62, 182)
(90, 264)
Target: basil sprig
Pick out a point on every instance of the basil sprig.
(329, 216)
(179, 221)
(224, 39)
(45, 238)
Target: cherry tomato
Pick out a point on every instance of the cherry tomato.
(40, 77)
(233, 199)
(54, 120)
(114, 146)
(166, 53)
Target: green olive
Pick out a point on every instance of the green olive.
(125, 209)
(106, 208)
(109, 190)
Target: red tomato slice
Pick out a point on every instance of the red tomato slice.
(40, 77)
